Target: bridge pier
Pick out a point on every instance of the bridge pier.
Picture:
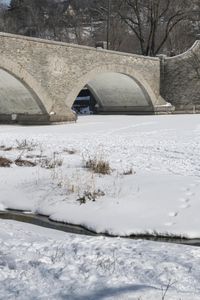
(61, 113)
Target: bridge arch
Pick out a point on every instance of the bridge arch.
(21, 78)
(111, 72)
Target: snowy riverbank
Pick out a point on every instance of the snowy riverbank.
(159, 195)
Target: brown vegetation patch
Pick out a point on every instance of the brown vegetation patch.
(98, 166)
(24, 163)
(36, 156)
(4, 148)
(69, 151)
(7, 149)
(5, 162)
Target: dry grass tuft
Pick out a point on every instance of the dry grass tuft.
(129, 172)
(90, 196)
(51, 163)
(99, 166)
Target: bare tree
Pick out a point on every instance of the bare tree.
(152, 21)
(107, 26)
(2, 17)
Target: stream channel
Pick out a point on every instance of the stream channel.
(44, 221)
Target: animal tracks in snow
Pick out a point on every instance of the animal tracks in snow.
(185, 202)
(173, 214)
(188, 196)
(169, 224)
(184, 206)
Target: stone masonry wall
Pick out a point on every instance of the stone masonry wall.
(180, 80)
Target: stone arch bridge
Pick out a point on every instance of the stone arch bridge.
(40, 80)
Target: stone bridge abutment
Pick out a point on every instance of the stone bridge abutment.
(180, 80)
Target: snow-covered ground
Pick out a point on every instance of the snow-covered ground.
(161, 195)
(153, 186)
(39, 263)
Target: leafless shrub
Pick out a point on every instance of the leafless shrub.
(25, 145)
(5, 162)
(166, 288)
(51, 163)
(82, 187)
